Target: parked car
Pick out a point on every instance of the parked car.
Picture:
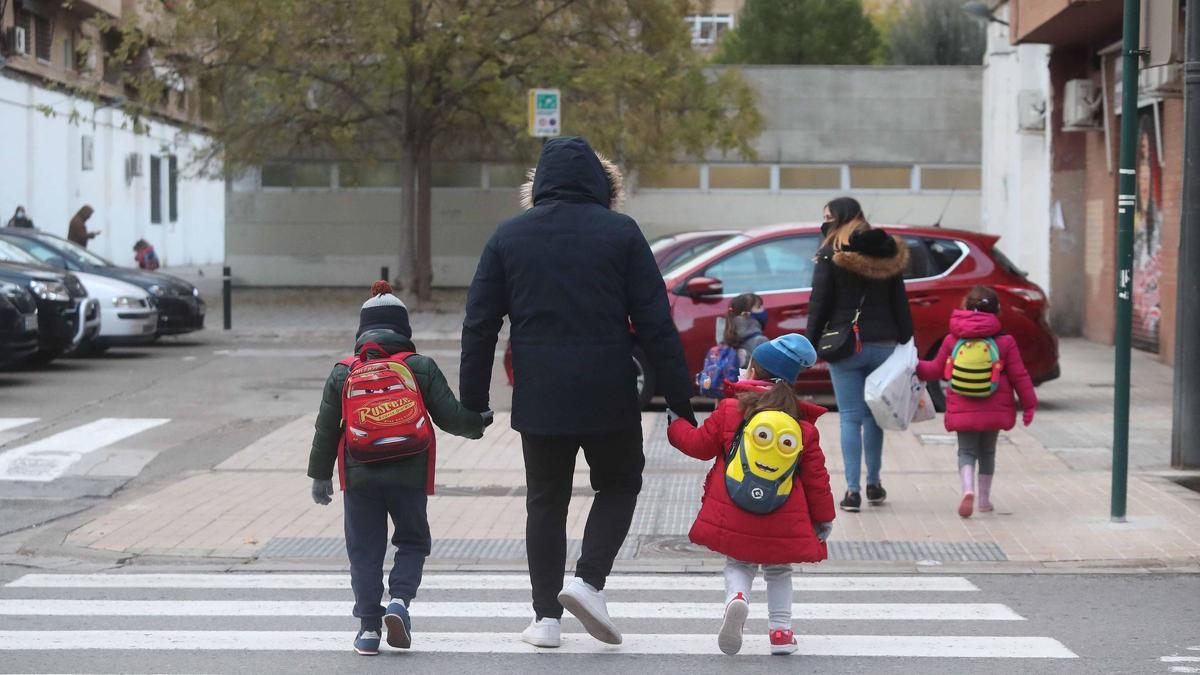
(18, 323)
(777, 263)
(126, 312)
(179, 305)
(675, 249)
(66, 317)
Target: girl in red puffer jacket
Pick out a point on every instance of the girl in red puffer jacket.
(980, 405)
(795, 531)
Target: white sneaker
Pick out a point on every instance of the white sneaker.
(587, 604)
(544, 633)
(730, 637)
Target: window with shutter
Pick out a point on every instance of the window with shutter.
(172, 188)
(155, 190)
(43, 39)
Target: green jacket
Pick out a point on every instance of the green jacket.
(408, 472)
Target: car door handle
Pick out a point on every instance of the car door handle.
(924, 301)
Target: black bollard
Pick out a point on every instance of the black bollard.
(383, 273)
(227, 296)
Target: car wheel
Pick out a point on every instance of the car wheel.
(646, 385)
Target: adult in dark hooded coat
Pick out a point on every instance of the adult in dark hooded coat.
(574, 276)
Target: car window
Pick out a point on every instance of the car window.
(918, 259)
(943, 254)
(73, 252)
(687, 255)
(774, 265)
(40, 251)
(15, 254)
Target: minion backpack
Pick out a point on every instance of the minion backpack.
(762, 462)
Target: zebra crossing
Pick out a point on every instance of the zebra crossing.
(661, 614)
(50, 458)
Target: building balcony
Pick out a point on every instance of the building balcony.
(1065, 22)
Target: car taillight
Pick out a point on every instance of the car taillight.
(1030, 295)
(1031, 300)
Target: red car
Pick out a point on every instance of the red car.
(776, 262)
(676, 249)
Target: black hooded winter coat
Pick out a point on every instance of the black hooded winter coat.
(580, 286)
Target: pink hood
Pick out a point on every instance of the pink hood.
(965, 324)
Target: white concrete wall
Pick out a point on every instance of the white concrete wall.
(1015, 200)
(40, 168)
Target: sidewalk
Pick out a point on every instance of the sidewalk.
(1047, 511)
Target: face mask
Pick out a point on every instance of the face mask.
(760, 317)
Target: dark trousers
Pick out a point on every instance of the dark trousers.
(367, 510)
(616, 462)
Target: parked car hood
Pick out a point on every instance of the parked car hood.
(105, 289)
(39, 272)
(145, 279)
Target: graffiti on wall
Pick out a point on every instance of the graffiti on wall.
(1147, 239)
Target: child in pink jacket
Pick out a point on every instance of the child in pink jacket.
(979, 416)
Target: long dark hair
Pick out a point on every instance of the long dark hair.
(780, 397)
(739, 305)
(847, 217)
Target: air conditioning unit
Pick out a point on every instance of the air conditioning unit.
(16, 40)
(1031, 110)
(133, 166)
(1081, 106)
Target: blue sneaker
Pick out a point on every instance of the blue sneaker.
(399, 625)
(367, 642)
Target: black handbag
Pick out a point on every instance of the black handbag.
(842, 341)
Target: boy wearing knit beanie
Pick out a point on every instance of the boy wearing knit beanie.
(396, 488)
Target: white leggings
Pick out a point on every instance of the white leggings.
(739, 576)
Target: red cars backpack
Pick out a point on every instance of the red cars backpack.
(383, 412)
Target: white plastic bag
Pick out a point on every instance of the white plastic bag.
(893, 392)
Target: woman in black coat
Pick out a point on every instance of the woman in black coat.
(858, 291)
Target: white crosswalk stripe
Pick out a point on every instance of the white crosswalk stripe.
(108, 612)
(49, 458)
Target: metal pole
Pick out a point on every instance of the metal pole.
(1126, 205)
(383, 273)
(227, 296)
(1185, 430)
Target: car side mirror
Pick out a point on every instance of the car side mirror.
(701, 286)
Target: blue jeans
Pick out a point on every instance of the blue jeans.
(367, 510)
(859, 431)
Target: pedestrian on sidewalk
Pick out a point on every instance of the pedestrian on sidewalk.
(20, 219)
(858, 313)
(580, 287)
(145, 256)
(758, 433)
(77, 230)
(984, 368)
(377, 429)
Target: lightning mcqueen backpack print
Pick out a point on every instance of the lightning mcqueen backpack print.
(383, 412)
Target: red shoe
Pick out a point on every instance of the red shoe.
(783, 642)
(967, 506)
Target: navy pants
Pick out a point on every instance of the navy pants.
(367, 510)
(616, 463)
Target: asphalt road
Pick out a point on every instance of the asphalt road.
(1101, 623)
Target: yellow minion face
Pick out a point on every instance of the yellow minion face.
(772, 442)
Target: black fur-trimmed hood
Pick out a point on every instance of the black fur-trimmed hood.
(873, 254)
(569, 169)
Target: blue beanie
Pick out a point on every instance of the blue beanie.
(785, 356)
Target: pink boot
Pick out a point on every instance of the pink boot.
(967, 505)
(985, 492)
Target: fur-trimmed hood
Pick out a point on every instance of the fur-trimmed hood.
(873, 254)
(570, 170)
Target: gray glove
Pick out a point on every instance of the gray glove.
(823, 530)
(322, 491)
